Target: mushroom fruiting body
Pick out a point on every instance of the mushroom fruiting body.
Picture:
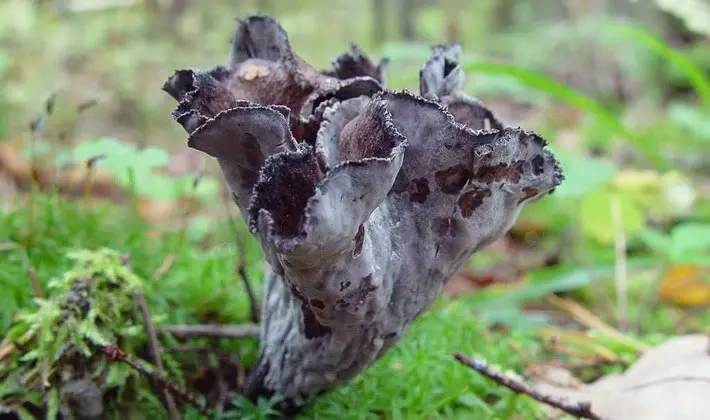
(365, 200)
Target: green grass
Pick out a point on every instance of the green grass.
(417, 379)
(199, 278)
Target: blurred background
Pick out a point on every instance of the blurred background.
(620, 89)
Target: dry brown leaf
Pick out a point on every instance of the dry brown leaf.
(95, 184)
(590, 320)
(669, 382)
(73, 179)
(684, 285)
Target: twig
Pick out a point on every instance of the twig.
(242, 270)
(621, 272)
(154, 347)
(36, 286)
(241, 266)
(165, 266)
(115, 354)
(213, 331)
(581, 409)
(83, 188)
(586, 317)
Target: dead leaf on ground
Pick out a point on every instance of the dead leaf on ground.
(669, 382)
(686, 285)
(92, 185)
(14, 164)
(508, 272)
(465, 282)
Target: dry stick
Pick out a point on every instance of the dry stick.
(115, 354)
(586, 317)
(241, 264)
(32, 273)
(213, 331)
(84, 187)
(580, 409)
(242, 270)
(154, 347)
(165, 266)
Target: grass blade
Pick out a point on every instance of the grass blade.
(695, 75)
(571, 97)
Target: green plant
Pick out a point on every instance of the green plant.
(686, 243)
(53, 346)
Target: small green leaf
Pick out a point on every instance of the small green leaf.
(596, 215)
(31, 355)
(572, 97)
(692, 118)
(656, 240)
(583, 174)
(24, 414)
(689, 237)
(93, 334)
(117, 375)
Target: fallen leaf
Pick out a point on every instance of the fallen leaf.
(669, 382)
(592, 321)
(465, 282)
(685, 285)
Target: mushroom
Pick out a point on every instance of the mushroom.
(365, 200)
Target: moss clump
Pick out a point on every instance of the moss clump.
(49, 362)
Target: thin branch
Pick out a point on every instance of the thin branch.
(36, 285)
(581, 409)
(590, 320)
(115, 354)
(154, 347)
(213, 330)
(165, 266)
(242, 270)
(241, 266)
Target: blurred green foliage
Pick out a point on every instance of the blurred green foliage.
(624, 103)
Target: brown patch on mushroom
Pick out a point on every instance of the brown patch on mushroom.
(445, 226)
(312, 328)
(251, 71)
(317, 303)
(528, 192)
(358, 241)
(252, 154)
(471, 200)
(366, 135)
(453, 179)
(277, 86)
(500, 172)
(355, 64)
(419, 190)
(473, 116)
(291, 180)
